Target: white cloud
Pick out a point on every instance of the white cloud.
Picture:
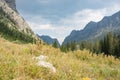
(44, 2)
(77, 21)
(36, 26)
(81, 18)
(55, 31)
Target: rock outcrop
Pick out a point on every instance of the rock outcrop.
(9, 7)
(11, 4)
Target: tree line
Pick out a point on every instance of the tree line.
(109, 45)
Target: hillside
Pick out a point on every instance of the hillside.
(17, 63)
(37, 61)
(49, 40)
(11, 4)
(96, 30)
(12, 25)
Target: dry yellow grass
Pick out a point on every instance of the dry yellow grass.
(16, 63)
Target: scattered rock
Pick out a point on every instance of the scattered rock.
(42, 62)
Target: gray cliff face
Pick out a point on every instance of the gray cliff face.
(9, 7)
(11, 3)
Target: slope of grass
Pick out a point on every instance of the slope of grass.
(16, 63)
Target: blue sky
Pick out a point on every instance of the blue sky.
(57, 18)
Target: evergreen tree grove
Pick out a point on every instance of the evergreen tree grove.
(109, 45)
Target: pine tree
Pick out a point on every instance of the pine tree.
(73, 45)
(63, 48)
(68, 46)
(55, 44)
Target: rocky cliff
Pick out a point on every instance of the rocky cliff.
(11, 4)
(9, 7)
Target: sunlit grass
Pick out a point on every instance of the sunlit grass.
(16, 63)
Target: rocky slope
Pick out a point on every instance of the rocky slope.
(9, 7)
(96, 30)
(11, 4)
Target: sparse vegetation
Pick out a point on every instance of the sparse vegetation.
(12, 33)
(16, 63)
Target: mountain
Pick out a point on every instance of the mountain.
(96, 30)
(11, 4)
(49, 40)
(12, 25)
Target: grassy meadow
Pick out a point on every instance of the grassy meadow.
(16, 63)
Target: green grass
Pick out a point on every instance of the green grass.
(16, 63)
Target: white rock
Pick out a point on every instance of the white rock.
(41, 58)
(42, 62)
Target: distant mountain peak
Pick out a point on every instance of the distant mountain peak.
(74, 31)
(48, 39)
(96, 30)
(91, 22)
(117, 13)
(90, 25)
